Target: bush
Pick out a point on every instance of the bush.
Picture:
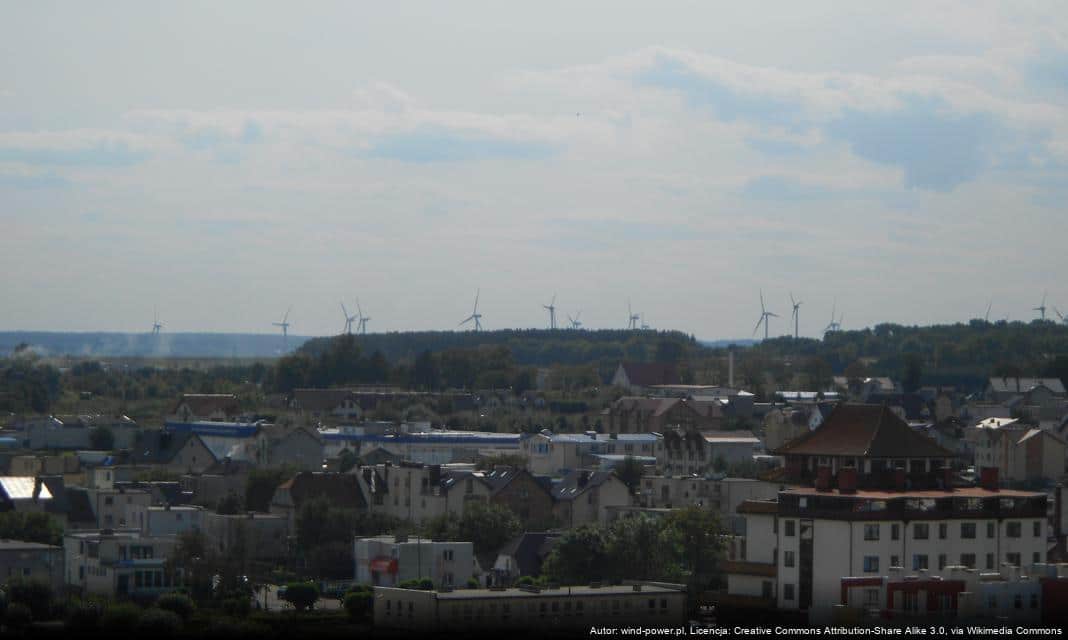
(120, 619)
(179, 604)
(18, 616)
(34, 594)
(83, 618)
(302, 595)
(158, 624)
(358, 604)
(237, 606)
(525, 581)
(473, 583)
(422, 584)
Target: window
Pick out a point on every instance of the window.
(895, 561)
(1036, 528)
(871, 597)
(943, 531)
(990, 529)
(871, 532)
(919, 562)
(765, 589)
(967, 530)
(1036, 557)
(989, 561)
(871, 564)
(920, 531)
(968, 560)
(788, 592)
(1013, 559)
(788, 528)
(788, 558)
(895, 531)
(1013, 529)
(942, 561)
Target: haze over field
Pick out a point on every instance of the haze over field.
(910, 161)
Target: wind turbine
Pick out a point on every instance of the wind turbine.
(575, 324)
(285, 328)
(1060, 315)
(833, 326)
(644, 326)
(156, 324)
(797, 305)
(475, 315)
(362, 326)
(551, 308)
(632, 318)
(1042, 307)
(764, 315)
(986, 318)
(348, 319)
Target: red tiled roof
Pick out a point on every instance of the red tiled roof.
(864, 430)
(647, 374)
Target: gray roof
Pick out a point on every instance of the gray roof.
(1023, 385)
(21, 545)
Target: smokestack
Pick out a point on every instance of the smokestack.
(730, 369)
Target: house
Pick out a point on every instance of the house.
(422, 445)
(31, 561)
(24, 493)
(782, 425)
(180, 451)
(297, 447)
(214, 407)
(342, 490)
(164, 520)
(632, 414)
(638, 376)
(722, 495)
(392, 560)
(1001, 389)
(523, 556)
(518, 490)
(584, 497)
(573, 608)
(1021, 454)
(417, 492)
(120, 563)
(326, 403)
(111, 506)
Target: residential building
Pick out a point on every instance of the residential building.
(639, 376)
(341, 489)
(523, 556)
(260, 536)
(418, 492)
(555, 454)
(437, 446)
(1020, 454)
(659, 605)
(391, 560)
(31, 561)
(215, 407)
(165, 520)
(518, 490)
(174, 450)
(1001, 389)
(635, 414)
(691, 451)
(120, 563)
(111, 506)
(584, 497)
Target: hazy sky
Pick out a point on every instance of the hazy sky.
(226, 160)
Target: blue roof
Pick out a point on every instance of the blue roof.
(434, 437)
(580, 438)
(232, 429)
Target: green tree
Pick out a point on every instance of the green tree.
(580, 556)
(488, 526)
(261, 485)
(698, 540)
(101, 438)
(630, 471)
(302, 595)
(30, 526)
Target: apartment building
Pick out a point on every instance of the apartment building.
(391, 560)
(585, 497)
(164, 520)
(555, 454)
(640, 605)
(1020, 453)
(120, 563)
(31, 561)
(418, 492)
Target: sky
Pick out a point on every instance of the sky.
(901, 162)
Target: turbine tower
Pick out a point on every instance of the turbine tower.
(797, 306)
(475, 315)
(156, 324)
(1042, 307)
(551, 308)
(575, 324)
(361, 327)
(986, 318)
(833, 326)
(348, 319)
(764, 315)
(632, 318)
(644, 326)
(285, 329)
(1060, 315)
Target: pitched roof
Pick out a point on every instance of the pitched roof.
(647, 374)
(79, 508)
(864, 430)
(530, 549)
(578, 482)
(205, 404)
(1022, 385)
(341, 489)
(660, 406)
(159, 446)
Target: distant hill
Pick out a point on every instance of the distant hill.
(535, 347)
(164, 345)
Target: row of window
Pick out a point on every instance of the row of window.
(922, 530)
(919, 561)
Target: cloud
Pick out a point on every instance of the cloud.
(777, 187)
(73, 148)
(442, 145)
(24, 179)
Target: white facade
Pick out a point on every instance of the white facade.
(388, 561)
(165, 520)
(119, 563)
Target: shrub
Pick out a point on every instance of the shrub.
(158, 624)
(525, 581)
(358, 604)
(238, 607)
(34, 594)
(302, 595)
(179, 604)
(19, 616)
(120, 619)
(473, 583)
(83, 618)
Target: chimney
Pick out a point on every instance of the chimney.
(823, 478)
(899, 479)
(730, 369)
(988, 478)
(847, 480)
